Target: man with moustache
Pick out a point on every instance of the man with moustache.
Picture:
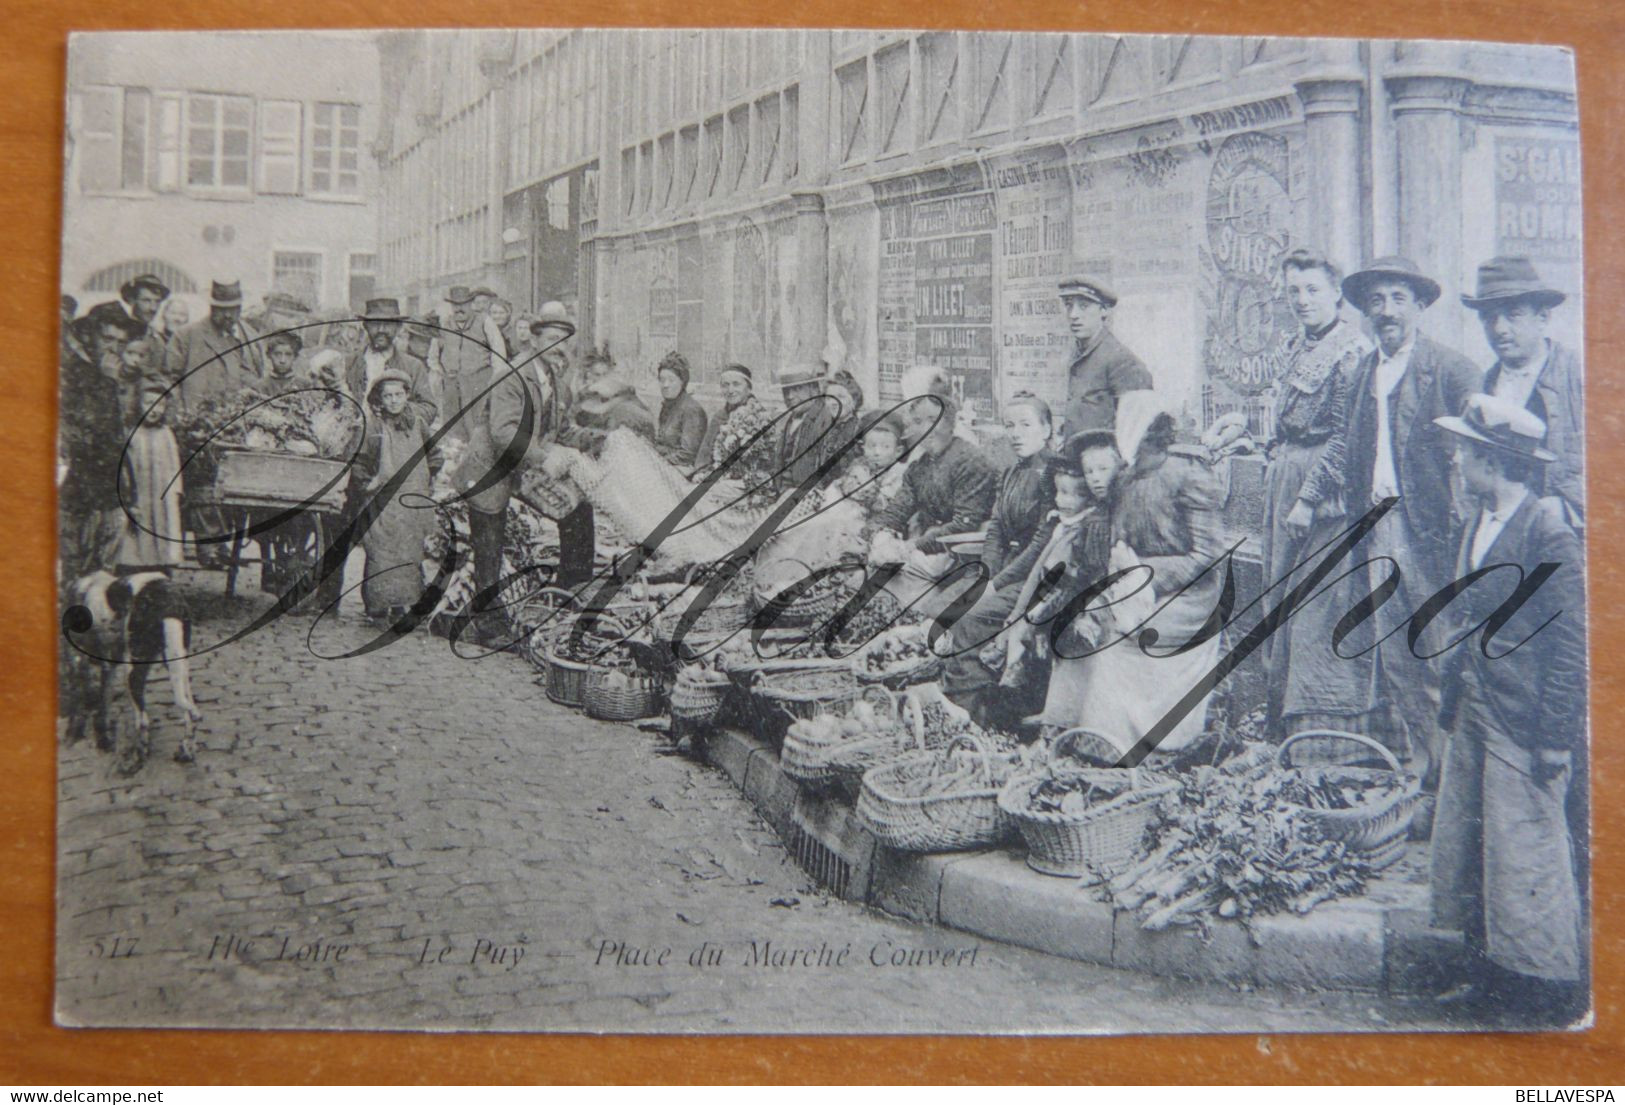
(381, 320)
(1514, 305)
(1395, 450)
(143, 296)
(1103, 368)
(215, 358)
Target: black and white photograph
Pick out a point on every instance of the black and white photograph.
(821, 531)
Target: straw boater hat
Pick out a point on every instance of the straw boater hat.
(145, 280)
(1402, 269)
(1501, 424)
(1083, 286)
(226, 293)
(1506, 280)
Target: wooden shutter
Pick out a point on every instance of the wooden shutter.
(96, 148)
(281, 124)
(166, 162)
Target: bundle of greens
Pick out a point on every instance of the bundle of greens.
(1235, 842)
(307, 423)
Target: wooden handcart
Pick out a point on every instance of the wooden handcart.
(252, 486)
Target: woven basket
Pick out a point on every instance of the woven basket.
(934, 822)
(1379, 829)
(698, 701)
(805, 755)
(1099, 840)
(815, 604)
(553, 498)
(614, 695)
(804, 688)
(566, 679)
(926, 670)
(540, 623)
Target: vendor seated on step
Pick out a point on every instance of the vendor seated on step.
(875, 475)
(949, 488)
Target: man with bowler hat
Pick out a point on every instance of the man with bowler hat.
(1503, 870)
(1103, 368)
(382, 320)
(1394, 449)
(215, 358)
(1515, 307)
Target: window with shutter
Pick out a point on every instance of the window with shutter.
(96, 152)
(281, 124)
(166, 164)
(133, 144)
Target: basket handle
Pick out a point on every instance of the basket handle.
(876, 691)
(1062, 745)
(977, 745)
(916, 720)
(1357, 738)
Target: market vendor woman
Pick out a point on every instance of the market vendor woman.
(401, 520)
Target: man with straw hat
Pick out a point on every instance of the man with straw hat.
(1503, 868)
(1514, 305)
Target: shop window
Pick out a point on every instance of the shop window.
(217, 141)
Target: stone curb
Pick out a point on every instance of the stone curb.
(1355, 945)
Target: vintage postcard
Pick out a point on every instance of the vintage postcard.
(797, 531)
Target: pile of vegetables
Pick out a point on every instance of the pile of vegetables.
(1072, 794)
(862, 722)
(895, 652)
(953, 772)
(1235, 842)
(305, 423)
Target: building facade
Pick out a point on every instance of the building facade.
(883, 199)
(260, 171)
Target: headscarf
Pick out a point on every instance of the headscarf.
(1137, 411)
(674, 362)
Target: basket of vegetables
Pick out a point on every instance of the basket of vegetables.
(815, 602)
(540, 621)
(804, 688)
(1369, 809)
(926, 720)
(898, 657)
(939, 801)
(620, 691)
(810, 742)
(573, 655)
(700, 689)
(1082, 821)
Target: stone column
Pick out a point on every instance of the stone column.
(812, 280)
(1428, 137)
(1331, 115)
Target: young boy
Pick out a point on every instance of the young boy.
(883, 458)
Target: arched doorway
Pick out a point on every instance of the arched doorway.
(112, 278)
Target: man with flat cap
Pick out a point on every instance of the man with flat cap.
(1503, 865)
(805, 429)
(215, 358)
(1394, 449)
(1515, 307)
(143, 296)
(1103, 368)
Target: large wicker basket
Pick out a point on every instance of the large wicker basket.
(804, 688)
(1378, 830)
(806, 754)
(1097, 841)
(698, 701)
(811, 605)
(566, 679)
(611, 694)
(926, 669)
(952, 821)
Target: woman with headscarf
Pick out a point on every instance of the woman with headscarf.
(1165, 518)
(681, 425)
(743, 416)
(1310, 687)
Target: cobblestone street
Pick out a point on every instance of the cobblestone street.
(413, 839)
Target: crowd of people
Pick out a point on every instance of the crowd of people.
(1093, 522)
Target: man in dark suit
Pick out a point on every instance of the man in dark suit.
(1503, 869)
(1394, 449)
(382, 321)
(1103, 368)
(805, 430)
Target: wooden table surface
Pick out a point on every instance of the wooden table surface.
(32, 1050)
